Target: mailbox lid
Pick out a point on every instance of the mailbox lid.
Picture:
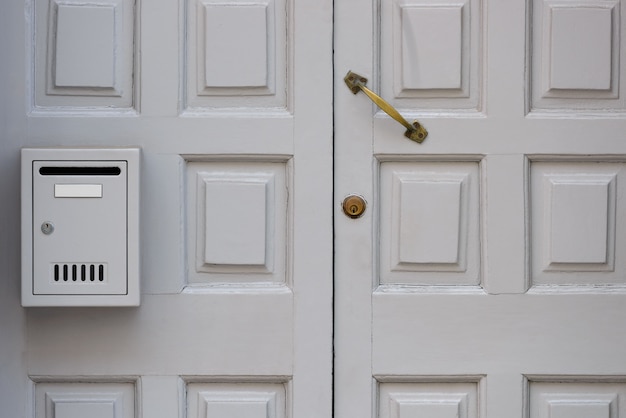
(86, 202)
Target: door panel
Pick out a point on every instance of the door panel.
(481, 279)
(236, 140)
(429, 223)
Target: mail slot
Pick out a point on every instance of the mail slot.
(80, 227)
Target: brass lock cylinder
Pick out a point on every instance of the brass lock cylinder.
(353, 206)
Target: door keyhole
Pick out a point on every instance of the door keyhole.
(354, 206)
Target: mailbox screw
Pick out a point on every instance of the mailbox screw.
(47, 228)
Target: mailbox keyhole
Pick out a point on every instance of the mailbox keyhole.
(47, 227)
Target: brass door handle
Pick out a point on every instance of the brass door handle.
(414, 131)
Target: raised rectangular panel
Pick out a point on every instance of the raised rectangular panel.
(235, 219)
(429, 223)
(428, 405)
(576, 212)
(76, 409)
(246, 400)
(237, 56)
(431, 47)
(84, 59)
(237, 222)
(233, 31)
(580, 408)
(580, 218)
(430, 54)
(85, 46)
(78, 400)
(580, 48)
(575, 56)
(576, 399)
(252, 406)
(433, 400)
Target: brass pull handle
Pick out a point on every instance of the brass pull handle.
(414, 131)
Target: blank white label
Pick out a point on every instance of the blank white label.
(77, 190)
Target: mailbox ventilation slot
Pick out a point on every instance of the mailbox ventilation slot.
(79, 273)
(80, 171)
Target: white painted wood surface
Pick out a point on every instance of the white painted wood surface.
(525, 326)
(535, 334)
(249, 331)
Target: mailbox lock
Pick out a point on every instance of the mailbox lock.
(47, 227)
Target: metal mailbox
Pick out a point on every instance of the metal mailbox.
(80, 227)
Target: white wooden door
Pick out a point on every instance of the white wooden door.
(487, 276)
(231, 104)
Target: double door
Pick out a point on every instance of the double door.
(485, 276)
